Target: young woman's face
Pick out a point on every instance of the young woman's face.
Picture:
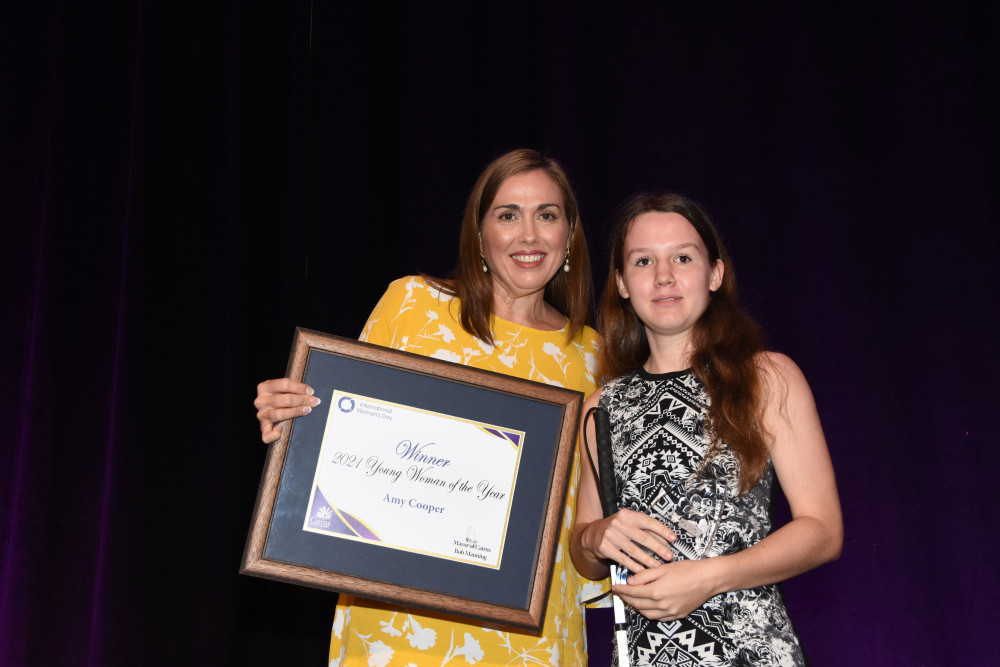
(525, 234)
(667, 275)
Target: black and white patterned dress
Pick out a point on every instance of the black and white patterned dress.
(659, 443)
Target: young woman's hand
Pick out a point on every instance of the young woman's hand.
(628, 538)
(669, 591)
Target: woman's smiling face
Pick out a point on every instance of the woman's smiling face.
(525, 234)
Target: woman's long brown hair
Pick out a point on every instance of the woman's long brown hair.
(726, 342)
(567, 292)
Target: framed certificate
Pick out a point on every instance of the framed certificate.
(418, 482)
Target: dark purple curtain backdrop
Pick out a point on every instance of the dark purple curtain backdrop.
(183, 183)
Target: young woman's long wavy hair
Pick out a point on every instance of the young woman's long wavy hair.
(568, 292)
(726, 343)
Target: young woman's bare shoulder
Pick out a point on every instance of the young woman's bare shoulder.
(781, 377)
(592, 399)
(778, 366)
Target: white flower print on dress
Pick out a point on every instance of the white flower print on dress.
(366, 332)
(538, 376)
(470, 354)
(568, 517)
(379, 654)
(559, 356)
(341, 620)
(591, 590)
(589, 360)
(511, 347)
(419, 636)
(553, 351)
(526, 656)
(472, 651)
(338, 622)
(408, 299)
(389, 627)
(507, 360)
(436, 294)
(445, 333)
(447, 355)
(590, 363)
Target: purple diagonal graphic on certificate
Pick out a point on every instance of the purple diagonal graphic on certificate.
(327, 517)
(514, 438)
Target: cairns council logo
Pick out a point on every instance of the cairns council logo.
(346, 404)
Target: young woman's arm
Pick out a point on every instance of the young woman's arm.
(814, 535)
(596, 539)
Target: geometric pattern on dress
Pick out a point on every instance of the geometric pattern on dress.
(659, 443)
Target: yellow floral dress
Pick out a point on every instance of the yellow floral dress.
(414, 316)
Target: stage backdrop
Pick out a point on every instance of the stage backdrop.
(183, 183)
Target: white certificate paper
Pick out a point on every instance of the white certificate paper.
(415, 480)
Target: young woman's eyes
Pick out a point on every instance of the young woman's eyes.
(680, 259)
(548, 216)
(507, 216)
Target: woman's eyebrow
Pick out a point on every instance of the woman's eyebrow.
(517, 207)
(673, 248)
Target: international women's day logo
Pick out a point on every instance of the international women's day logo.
(345, 404)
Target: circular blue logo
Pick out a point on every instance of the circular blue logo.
(346, 404)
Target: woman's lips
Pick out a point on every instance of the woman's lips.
(528, 260)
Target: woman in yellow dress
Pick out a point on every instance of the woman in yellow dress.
(518, 305)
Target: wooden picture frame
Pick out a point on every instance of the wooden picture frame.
(514, 590)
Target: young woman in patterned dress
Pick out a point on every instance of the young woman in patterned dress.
(703, 418)
(518, 306)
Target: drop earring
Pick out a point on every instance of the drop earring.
(483, 260)
(566, 262)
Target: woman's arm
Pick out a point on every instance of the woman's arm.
(802, 464)
(814, 535)
(596, 540)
